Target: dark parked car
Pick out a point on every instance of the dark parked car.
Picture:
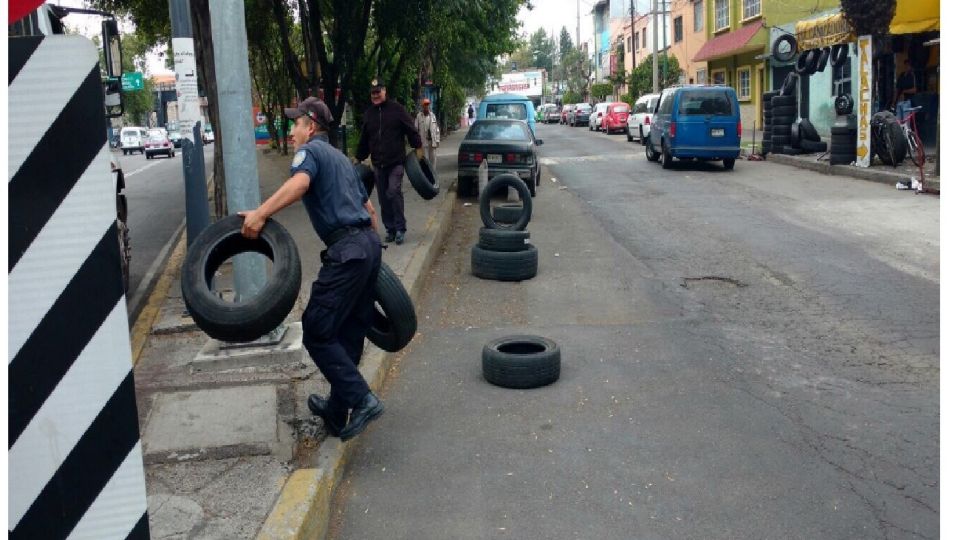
(696, 121)
(581, 115)
(506, 145)
(176, 139)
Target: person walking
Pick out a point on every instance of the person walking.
(341, 306)
(429, 131)
(384, 126)
(470, 114)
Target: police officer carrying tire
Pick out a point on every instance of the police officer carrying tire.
(341, 305)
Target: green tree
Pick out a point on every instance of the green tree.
(543, 49)
(570, 97)
(575, 64)
(566, 43)
(640, 80)
(600, 91)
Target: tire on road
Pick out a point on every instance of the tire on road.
(504, 265)
(253, 317)
(422, 176)
(521, 361)
(503, 241)
(499, 182)
(395, 319)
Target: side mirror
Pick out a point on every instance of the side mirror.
(538, 142)
(111, 48)
(112, 98)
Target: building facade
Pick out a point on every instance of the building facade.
(688, 34)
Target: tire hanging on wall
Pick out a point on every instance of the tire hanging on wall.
(838, 54)
(824, 59)
(788, 54)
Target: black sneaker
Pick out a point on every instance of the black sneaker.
(391, 236)
(399, 238)
(369, 409)
(321, 407)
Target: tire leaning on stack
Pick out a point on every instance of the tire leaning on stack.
(503, 252)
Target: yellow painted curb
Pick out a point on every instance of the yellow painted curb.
(148, 315)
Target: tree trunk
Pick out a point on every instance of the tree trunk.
(200, 20)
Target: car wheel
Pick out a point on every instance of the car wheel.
(395, 318)
(667, 158)
(521, 361)
(629, 135)
(729, 163)
(652, 155)
(464, 186)
(255, 316)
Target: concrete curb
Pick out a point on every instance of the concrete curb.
(871, 175)
(302, 510)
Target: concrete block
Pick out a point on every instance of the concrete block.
(219, 356)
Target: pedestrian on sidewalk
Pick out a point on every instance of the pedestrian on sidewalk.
(470, 114)
(429, 131)
(381, 138)
(340, 310)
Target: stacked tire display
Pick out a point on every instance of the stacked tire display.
(779, 114)
(503, 251)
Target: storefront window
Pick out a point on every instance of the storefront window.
(722, 13)
(842, 80)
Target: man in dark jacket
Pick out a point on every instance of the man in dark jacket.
(384, 126)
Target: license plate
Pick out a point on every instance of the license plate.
(716, 132)
(494, 158)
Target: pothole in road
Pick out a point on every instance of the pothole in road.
(689, 282)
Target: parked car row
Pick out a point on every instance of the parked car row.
(683, 122)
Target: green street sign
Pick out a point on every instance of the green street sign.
(132, 81)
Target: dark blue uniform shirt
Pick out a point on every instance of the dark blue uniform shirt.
(336, 195)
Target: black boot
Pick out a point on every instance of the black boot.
(369, 409)
(334, 422)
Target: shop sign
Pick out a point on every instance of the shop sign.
(865, 72)
(824, 32)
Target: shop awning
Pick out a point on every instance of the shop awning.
(729, 43)
(915, 16)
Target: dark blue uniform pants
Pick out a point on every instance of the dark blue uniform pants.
(389, 182)
(339, 313)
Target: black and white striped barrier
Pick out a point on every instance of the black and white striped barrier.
(75, 463)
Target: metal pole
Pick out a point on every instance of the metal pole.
(188, 120)
(633, 42)
(665, 39)
(229, 35)
(656, 65)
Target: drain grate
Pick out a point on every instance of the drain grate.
(688, 281)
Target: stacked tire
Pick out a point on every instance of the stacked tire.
(767, 143)
(783, 112)
(843, 144)
(503, 251)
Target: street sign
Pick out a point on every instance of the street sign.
(132, 81)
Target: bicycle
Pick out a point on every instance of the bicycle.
(914, 144)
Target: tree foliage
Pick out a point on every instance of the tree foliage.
(566, 42)
(600, 91)
(544, 49)
(640, 80)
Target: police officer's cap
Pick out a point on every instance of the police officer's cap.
(313, 108)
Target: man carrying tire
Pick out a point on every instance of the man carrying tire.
(341, 306)
(384, 127)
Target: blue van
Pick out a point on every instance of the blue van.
(696, 121)
(512, 106)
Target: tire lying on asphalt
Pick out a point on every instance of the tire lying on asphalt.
(507, 213)
(521, 361)
(500, 182)
(422, 176)
(367, 177)
(497, 240)
(252, 317)
(504, 265)
(395, 319)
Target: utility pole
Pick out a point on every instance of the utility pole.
(663, 15)
(229, 34)
(633, 32)
(188, 120)
(656, 65)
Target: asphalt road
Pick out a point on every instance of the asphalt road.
(155, 200)
(746, 354)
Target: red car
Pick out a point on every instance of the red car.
(616, 118)
(566, 113)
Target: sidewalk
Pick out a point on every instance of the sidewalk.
(884, 174)
(230, 448)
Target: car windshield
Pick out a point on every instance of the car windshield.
(513, 111)
(621, 108)
(703, 102)
(583, 106)
(498, 131)
(550, 108)
(156, 136)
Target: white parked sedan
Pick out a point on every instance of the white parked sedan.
(638, 123)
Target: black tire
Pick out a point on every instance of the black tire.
(507, 213)
(503, 241)
(843, 104)
(843, 148)
(808, 132)
(783, 120)
(521, 361)
(367, 177)
(782, 54)
(824, 59)
(422, 176)
(504, 265)
(842, 159)
(532, 186)
(795, 135)
(782, 101)
(768, 96)
(807, 63)
(780, 140)
(503, 181)
(838, 54)
(813, 146)
(843, 131)
(122, 207)
(729, 163)
(785, 110)
(253, 317)
(781, 130)
(666, 156)
(395, 319)
(789, 86)
(629, 135)
(790, 151)
(776, 149)
(465, 186)
(652, 155)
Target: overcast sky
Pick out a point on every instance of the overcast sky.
(553, 15)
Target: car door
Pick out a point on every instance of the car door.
(646, 117)
(633, 121)
(661, 118)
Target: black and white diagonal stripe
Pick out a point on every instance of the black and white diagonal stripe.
(75, 463)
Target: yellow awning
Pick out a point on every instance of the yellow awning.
(913, 16)
(824, 32)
